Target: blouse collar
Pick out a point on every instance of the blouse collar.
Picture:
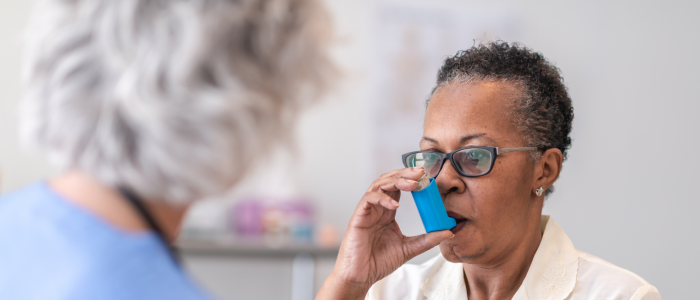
(552, 274)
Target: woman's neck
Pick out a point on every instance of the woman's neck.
(501, 280)
(108, 204)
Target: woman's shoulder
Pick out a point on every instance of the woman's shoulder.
(406, 281)
(599, 278)
(595, 279)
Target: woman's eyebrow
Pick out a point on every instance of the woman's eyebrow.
(468, 138)
(429, 140)
(464, 140)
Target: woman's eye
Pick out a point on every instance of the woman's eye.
(473, 155)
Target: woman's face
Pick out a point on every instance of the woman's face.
(492, 210)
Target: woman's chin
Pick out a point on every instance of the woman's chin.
(458, 250)
(450, 256)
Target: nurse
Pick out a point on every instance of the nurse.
(147, 106)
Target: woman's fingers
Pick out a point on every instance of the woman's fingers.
(381, 199)
(378, 205)
(402, 180)
(393, 184)
(410, 173)
(374, 209)
(418, 244)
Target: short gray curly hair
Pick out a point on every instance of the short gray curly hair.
(544, 114)
(171, 98)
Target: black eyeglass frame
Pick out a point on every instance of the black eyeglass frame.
(495, 151)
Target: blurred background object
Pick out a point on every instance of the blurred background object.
(631, 69)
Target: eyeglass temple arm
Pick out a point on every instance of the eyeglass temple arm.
(506, 150)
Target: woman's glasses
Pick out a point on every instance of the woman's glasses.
(469, 162)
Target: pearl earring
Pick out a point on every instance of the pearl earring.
(539, 191)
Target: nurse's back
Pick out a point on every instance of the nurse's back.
(54, 250)
(147, 106)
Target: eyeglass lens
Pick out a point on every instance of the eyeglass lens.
(471, 162)
(430, 162)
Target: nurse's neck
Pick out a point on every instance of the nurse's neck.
(108, 204)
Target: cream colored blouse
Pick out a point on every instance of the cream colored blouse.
(558, 272)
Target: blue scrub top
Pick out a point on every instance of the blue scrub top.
(51, 249)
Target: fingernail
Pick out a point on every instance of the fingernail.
(416, 169)
(411, 181)
(453, 235)
(395, 202)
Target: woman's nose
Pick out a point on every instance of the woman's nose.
(449, 180)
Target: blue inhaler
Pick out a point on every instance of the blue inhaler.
(430, 207)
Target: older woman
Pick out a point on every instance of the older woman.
(504, 114)
(147, 105)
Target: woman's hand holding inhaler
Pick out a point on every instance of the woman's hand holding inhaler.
(373, 246)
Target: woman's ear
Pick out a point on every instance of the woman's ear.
(547, 169)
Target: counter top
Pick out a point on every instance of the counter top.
(233, 247)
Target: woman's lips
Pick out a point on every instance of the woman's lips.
(460, 224)
(461, 221)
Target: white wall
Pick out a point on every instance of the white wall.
(17, 167)
(627, 192)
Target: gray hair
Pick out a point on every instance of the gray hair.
(171, 98)
(543, 114)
